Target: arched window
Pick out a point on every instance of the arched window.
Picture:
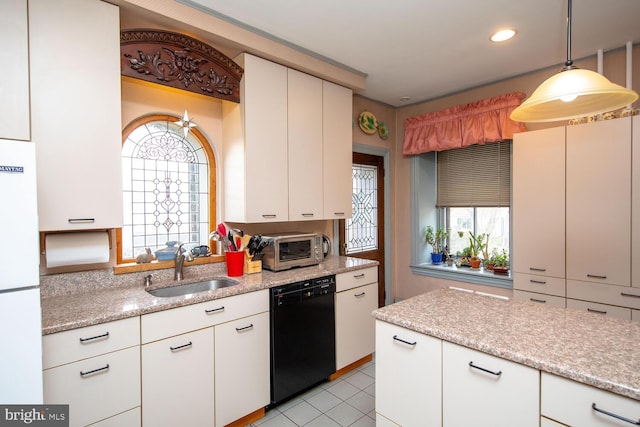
(168, 183)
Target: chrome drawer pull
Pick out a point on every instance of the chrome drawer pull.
(338, 213)
(81, 220)
(537, 269)
(358, 276)
(245, 328)
(624, 294)
(94, 371)
(360, 295)
(97, 337)
(591, 310)
(541, 301)
(307, 214)
(539, 282)
(611, 414)
(213, 310)
(497, 374)
(268, 215)
(595, 276)
(395, 337)
(180, 347)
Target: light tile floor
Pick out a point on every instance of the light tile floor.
(346, 401)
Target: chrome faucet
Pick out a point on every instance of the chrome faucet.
(180, 259)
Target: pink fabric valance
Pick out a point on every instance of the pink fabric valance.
(479, 122)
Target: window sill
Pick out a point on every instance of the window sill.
(161, 265)
(463, 274)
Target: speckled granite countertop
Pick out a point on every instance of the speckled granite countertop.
(599, 351)
(83, 299)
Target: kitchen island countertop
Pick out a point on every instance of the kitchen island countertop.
(93, 303)
(589, 348)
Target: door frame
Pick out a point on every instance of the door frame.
(385, 154)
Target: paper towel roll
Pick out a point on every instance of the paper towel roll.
(76, 248)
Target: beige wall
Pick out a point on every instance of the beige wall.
(404, 283)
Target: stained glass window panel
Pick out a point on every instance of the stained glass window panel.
(165, 187)
(362, 227)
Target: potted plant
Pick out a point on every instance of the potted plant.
(500, 262)
(477, 244)
(437, 239)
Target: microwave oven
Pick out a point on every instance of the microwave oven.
(289, 250)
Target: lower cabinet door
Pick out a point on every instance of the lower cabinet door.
(580, 405)
(242, 375)
(480, 389)
(546, 422)
(177, 381)
(95, 388)
(408, 377)
(355, 327)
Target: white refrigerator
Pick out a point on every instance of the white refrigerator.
(20, 314)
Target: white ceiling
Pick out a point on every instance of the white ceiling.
(425, 49)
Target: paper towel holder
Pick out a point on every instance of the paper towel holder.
(46, 270)
(43, 237)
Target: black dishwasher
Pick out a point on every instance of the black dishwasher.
(302, 336)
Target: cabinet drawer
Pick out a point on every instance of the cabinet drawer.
(539, 284)
(623, 296)
(539, 298)
(546, 422)
(475, 381)
(353, 279)
(77, 344)
(572, 403)
(602, 309)
(177, 321)
(96, 388)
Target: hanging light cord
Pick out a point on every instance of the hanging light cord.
(569, 64)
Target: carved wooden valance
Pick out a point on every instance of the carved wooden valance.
(179, 61)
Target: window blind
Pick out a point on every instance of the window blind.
(475, 176)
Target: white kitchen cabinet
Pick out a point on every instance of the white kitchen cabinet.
(408, 376)
(598, 203)
(356, 298)
(75, 113)
(539, 208)
(543, 298)
(580, 405)
(96, 370)
(337, 112)
(177, 380)
(255, 163)
(242, 380)
(478, 386)
(635, 206)
(226, 369)
(635, 315)
(304, 119)
(287, 146)
(554, 286)
(546, 422)
(131, 418)
(14, 85)
(601, 309)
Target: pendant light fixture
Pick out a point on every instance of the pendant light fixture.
(572, 93)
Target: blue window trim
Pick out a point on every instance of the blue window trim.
(423, 213)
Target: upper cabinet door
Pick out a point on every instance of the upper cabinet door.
(538, 202)
(14, 85)
(76, 112)
(256, 185)
(337, 112)
(635, 207)
(304, 109)
(598, 202)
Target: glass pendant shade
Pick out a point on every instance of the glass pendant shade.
(573, 93)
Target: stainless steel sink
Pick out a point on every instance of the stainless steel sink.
(192, 288)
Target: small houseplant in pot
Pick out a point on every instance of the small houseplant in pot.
(477, 244)
(500, 262)
(438, 240)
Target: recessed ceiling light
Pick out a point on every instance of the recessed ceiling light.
(405, 98)
(503, 35)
